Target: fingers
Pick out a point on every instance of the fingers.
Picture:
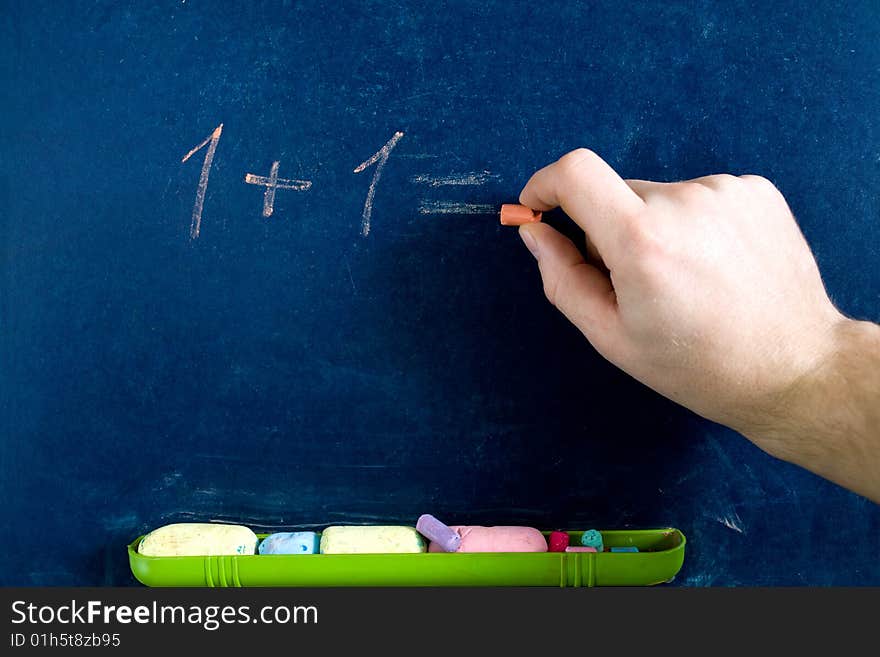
(589, 191)
(644, 188)
(583, 293)
(595, 257)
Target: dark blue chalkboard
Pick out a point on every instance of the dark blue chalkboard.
(287, 370)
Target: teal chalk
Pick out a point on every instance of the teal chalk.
(290, 543)
(627, 548)
(592, 538)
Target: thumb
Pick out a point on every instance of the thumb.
(582, 292)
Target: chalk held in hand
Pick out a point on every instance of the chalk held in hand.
(198, 539)
(446, 538)
(517, 215)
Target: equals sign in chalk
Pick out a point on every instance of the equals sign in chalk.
(452, 207)
(456, 179)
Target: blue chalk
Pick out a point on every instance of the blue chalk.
(592, 538)
(290, 543)
(628, 548)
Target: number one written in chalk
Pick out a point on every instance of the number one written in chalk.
(379, 158)
(211, 143)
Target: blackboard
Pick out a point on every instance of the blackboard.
(290, 370)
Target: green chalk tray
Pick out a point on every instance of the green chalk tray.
(660, 556)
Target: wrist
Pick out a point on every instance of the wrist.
(779, 423)
(825, 420)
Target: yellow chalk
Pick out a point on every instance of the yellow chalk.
(380, 539)
(191, 539)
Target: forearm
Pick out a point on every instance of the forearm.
(829, 422)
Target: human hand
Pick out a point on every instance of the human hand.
(704, 290)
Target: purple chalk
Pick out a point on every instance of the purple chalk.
(446, 538)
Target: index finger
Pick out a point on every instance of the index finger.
(589, 191)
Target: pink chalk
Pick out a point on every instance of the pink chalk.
(580, 549)
(496, 539)
(558, 541)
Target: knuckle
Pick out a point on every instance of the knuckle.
(577, 155)
(556, 284)
(641, 238)
(692, 192)
(551, 288)
(721, 181)
(759, 182)
(648, 245)
(633, 218)
(647, 249)
(572, 164)
(550, 285)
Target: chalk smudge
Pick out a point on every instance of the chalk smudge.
(731, 522)
(351, 278)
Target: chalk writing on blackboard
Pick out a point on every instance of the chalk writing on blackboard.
(379, 158)
(472, 178)
(211, 141)
(452, 207)
(273, 182)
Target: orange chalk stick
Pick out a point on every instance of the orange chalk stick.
(517, 215)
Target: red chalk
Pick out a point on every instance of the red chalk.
(558, 541)
(517, 215)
